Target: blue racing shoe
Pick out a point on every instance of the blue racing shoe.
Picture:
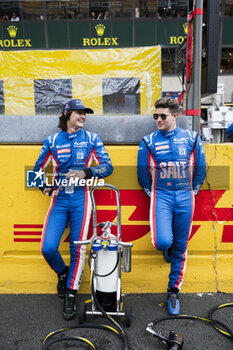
(173, 303)
(167, 254)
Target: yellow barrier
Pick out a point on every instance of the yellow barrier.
(87, 70)
(210, 258)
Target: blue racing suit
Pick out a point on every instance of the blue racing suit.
(171, 170)
(230, 131)
(70, 152)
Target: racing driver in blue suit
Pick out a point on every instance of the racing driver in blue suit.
(71, 151)
(171, 170)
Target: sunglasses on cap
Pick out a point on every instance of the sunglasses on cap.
(163, 116)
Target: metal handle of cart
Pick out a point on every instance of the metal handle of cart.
(125, 245)
(117, 192)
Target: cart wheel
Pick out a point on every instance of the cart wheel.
(82, 312)
(128, 315)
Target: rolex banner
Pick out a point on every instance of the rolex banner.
(14, 38)
(112, 81)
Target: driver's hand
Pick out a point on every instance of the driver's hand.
(51, 192)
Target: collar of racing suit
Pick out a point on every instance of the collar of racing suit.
(169, 133)
(71, 136)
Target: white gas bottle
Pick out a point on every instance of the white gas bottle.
(106, 263)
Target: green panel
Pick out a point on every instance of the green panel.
(12, 37)
(35, 31)
(122, 32)
(78, 32)
(57, 35)
(144, 33)
(170, 32)
(227, 37)
(182, 28)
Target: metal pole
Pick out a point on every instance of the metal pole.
(133, 21)
(197, 60)
(44, 11)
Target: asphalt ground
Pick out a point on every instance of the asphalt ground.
(26, 319)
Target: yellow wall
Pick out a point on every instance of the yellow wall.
(210, 259)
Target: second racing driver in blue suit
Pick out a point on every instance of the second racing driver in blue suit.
(171, 170)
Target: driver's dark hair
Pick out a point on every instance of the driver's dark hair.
(168, 102)
(63, 120)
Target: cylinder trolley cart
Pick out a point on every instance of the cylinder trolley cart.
(108, 255)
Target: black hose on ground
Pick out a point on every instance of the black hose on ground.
(218, 325)
(228, 333)
(47, 342)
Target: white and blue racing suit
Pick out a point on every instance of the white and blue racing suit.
(171, 170)
(70, 152)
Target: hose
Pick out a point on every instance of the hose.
(200, 318)
(47, 342)
(220, 330)
(218, 325)
(73, 338)
(120, 330)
